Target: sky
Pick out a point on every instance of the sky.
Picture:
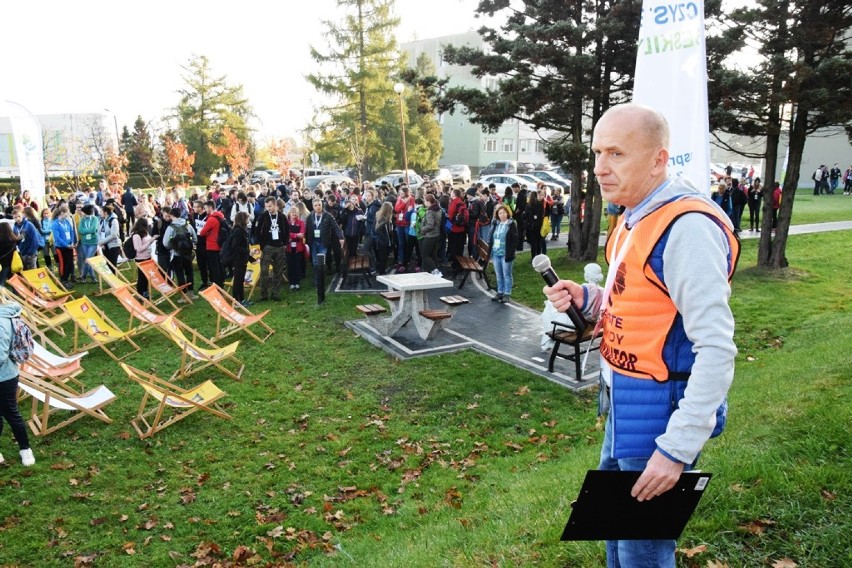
(126, 57)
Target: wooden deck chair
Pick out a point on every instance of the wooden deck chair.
(169, 396)
(238, 317)
(94, 323)
(47, 365)
(107, 279)
(195, 358)
(251, 280)
(140, 309)
(45, 283)
(27, 293)
(50, 398)
(35, 317)
(161, 283)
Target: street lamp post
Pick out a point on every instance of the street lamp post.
(117, 137)
(398, 89)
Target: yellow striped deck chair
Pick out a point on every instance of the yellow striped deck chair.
(140, 309)
(160, 283)
(166, 396)
(194, 358)
(28, 295)
(235, 315)
(91, 321)
(50, 399)
(45, 283)
(107, 279)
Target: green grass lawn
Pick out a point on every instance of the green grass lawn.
(340, 456)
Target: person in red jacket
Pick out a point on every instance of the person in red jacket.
(210, 233)
(458, 231)
(403, 206)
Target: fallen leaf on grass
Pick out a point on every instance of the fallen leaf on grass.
(62, 465)
(757, 527)
(828, 495)
(453, 497)
(693, 551)
(165, 538)
(514, 445)
(129, 548)
(84, 559)
(784, 563)
(123, 435)
(98, 521)
(717, 564)
(522, 391)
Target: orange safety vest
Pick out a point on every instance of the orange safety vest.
(639, 316)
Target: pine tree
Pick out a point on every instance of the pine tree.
(804, 63)
(422, 131)
(362, 125)
(207, 105)
(140, 150)
(559, 66)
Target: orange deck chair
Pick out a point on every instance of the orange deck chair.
(161, 283)
(147, 314)
(237, 317)
(28, 294)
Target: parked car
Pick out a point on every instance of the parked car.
(501, 167)
(259, 176)
(396, 178)
(441, 175)
(460, 173)
(221, 178)
(551, 176)
(533, 180)
(502, 181)
(525, 167)
(311, 172)
(311, 182)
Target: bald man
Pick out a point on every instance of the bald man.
(667, 352)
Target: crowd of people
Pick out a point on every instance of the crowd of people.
(734, 195)
(826, 180)
(399, 229)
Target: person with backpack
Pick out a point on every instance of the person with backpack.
(369, 246)
(141, 242)
(352, 220)
(213, 224)
(556, 214)
(402, 206)
(429, 226)
(161, 224)
(457, 219)
(16, 342)
(322, 230)
(521, 194)
(180, 239)
(29, 238)
(412, 242)
(109, 235)
(238, 245)
(199, 217)
(129, 202)
(65, 238)
(532, 219)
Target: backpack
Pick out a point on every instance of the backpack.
(120, 216)
(127, 248)
(224, 233)
(181, 242)
(226, 254)
(461, 217)
(21, 344)
(418, 222)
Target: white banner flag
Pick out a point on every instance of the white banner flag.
(671, 77)
(28, 149)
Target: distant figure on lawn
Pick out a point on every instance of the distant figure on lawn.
(664, 313)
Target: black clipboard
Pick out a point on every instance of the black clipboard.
(605, 510)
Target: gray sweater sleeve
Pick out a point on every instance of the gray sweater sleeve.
(695, 268)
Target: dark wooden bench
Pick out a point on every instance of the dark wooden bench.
(561, 334)
(435, 315)
(357, 264)
(454, 300)
(371, 309)
(391, 296)
(478, 265)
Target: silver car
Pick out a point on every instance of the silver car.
(460, 173)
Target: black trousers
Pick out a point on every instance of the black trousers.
(10, 413)
(201, 258)
(214, 268)
(238, 290)
(111, 254)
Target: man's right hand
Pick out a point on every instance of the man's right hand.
(563, 293)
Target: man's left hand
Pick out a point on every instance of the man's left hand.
(659, 476)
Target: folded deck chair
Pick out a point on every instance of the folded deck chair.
(237, 317)
(161, 284)
(47, 365)
(94, 323)
(140, 309)
(45, 283)
(27, 293)
(107, 279)
(194, 358)
(251, 280)
(35, 317)
(50, 398)
(173, 401)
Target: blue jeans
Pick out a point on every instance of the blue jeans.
(401, 238)
(87, 251)
(503, 270)
(633, 553)
(10, 413)
(555, 224)
(485, 233)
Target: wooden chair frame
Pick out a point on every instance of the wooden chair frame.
(160, 283)
(98, 327)
(195, 358)
(24, 289)
(167, 395)
(103, 268)
(53, 398)
(35, 317)
(45, 283)
(142, 310)
(238, 317)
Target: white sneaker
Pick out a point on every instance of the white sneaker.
(2, 459)
(27, 457)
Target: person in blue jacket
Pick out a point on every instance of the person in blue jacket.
(29, 238)
(64, 239)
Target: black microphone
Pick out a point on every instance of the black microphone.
(541, 264)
